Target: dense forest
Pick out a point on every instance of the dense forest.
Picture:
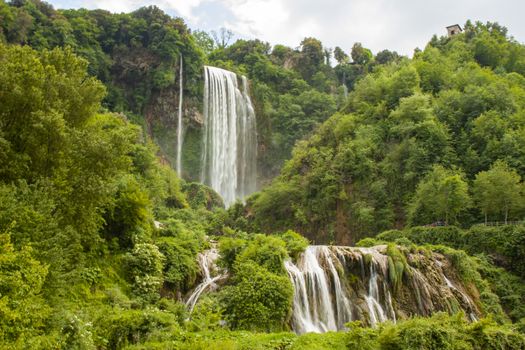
(437, 137)
(418, 162)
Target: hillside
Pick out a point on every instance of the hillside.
(439, 137)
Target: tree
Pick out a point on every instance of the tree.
(386, 56)
(340, 56)
(312, 56)
(441, 195)
(204, 41)
(498, 190)
(360, 54)
(222, 38)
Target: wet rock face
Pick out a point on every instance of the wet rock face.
(335, 285)
(161, 124)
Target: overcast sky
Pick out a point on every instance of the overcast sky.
(399, 25)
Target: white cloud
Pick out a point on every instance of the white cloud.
(183, 8)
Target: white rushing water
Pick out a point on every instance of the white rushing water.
(334, 285)
(376, 312)
(179, 124)
(230, 136)
(207, 264)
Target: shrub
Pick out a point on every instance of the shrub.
(180, 263)
(439, 332)
(295, 243)
(267, 251)
(258, 300)
(23, 312)
(124, 327)
(145, 265)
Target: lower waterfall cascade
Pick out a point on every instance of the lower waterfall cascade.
(207, 265)
(334, 285)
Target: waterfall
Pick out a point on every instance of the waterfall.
(334, 285)
(206, 261)
(313, 307)
(230, 136)
(179, 124)
(375, 310)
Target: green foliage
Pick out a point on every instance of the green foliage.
(206, 316)
(54, 94)
(397, 265)
(131, 215)
(23, 311)
(229, 249)
(144, 265)
(135, 55)
(121, 328)
(260, 294)
(295, 243)
(259, 299)
(438, 332)
(361, 55)
(266, 251)
(407, 145)
(498, 190)
(441, 195)
(202, 196)
(180, 251)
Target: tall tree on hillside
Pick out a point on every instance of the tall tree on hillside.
(340, 56)
(222, 37)
(498, 190)
(360, 54)
(312, 56)
(441, 195)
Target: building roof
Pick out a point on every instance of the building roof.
(455, 25)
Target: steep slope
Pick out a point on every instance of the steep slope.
(408, 145)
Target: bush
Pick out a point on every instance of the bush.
(267, 251)
(145, 265)
(180, 263)
(259, 300)
(229, 248)
(439, 332)
(23, 311)
(131, 215)
(505, 243)
(124, 327)
(295, 243)
(206, 315)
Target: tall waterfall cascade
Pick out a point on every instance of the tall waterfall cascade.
(335, 285)
(230, 135)
(179, 123)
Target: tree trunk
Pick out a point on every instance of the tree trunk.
(506, 215)
(485, 218)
